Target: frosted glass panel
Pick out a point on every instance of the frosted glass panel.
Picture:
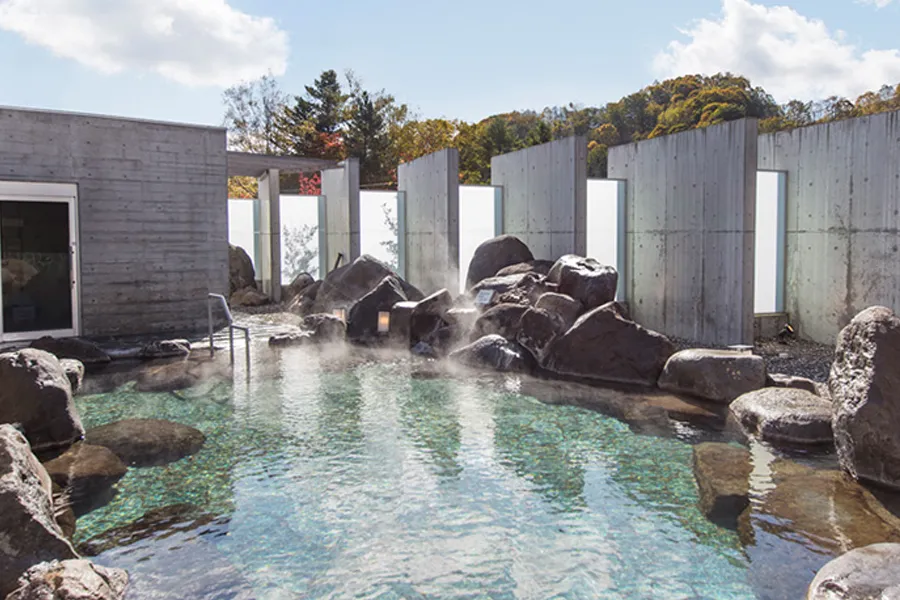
(769, 243)
(476, 223)
(378, 226)
(299, 236)
(240, 226)
(603, 221)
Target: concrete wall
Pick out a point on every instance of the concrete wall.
(843, 214)
(152, 211)
(431, 185)
(340, 187)
(545, 196)
(690, 231)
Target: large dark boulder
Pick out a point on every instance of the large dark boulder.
(537, 328)
(74, 579)
(502, 319)
(605, 346)
(248, 296)
(87, 473)
(584, 279)
(324, 328)
(868, 573)
(362, 321)
(495, 254)
(427, 316)
(783, 416)
(494, 352)
(541, 267)
(147, 442)
(566, 307)
(36, 393)
(87, 352)
(240, 270)
(716, 375)
(299, 283)
(722, 472)
(29, 533)
(865, 389)
(346, 285)
(304, 302)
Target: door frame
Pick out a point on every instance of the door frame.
(24, 191)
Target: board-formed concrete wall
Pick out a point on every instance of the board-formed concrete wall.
(545, 196)
(691, 206)
(152, 207)
(340, 187)
(431, 185)
(843, 219)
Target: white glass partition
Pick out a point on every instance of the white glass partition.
(299, 236)
(241, 226)
(606, 225)
(768, 291)
(477, 222)
(378, 222)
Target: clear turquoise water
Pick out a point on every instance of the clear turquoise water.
(336, 481)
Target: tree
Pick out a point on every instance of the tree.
(367, 137)
(392, 245)
(312, 126)
(301, 250)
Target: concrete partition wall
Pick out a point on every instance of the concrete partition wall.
(340, 188)
(431, 186)
(843, 218)
(691, 207)
(545, 196)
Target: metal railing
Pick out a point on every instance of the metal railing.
(231, 328)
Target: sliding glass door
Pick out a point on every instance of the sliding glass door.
(39, 261)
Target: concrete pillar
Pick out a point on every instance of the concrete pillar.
(431, 234)
(340, 217)
(270, 234)
(545, 196)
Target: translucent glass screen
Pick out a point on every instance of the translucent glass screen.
(476, 223)
(769, 266)
(378, 226)
(240, 226)
(299, 236)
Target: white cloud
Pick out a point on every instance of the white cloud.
(193, 42)
(790, 55)
(878, 3)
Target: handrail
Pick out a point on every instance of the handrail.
(231, 328)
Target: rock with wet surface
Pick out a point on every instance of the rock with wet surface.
(585, 280)
(781, 380)
(566, 307)
(783, 416)
(74, 370)
(495, 254)
(325, 328)
(87, 473)
(248, 296)
(716, 375)
(346, 285)
(865, 389)
(541, 267)
(168, 378)
(867, 573)
(537, 328)
(165, 349)
(301, 282)
(494, 352)
(722, 473)
(88, 353)
(29, 532)
(75, 579)
(362, 320)
(240, 270)
(602, 345)
(147, 442)
(36, 393)
(502, 319)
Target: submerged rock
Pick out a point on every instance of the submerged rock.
(716, 375)
(865, 388)
(722, 472)
(75, 579)
(165, 349)
(495, 254)
(604, 346)
(585, 280)
(74, 370)
(86, 472)
(868, 573)
(167, 378)
(784, 416)
(147, 442)
(87, 352)
(29, 532)
(494, 352)
(35, 393)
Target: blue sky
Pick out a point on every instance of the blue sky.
(170, 59)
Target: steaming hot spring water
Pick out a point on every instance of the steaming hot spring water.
(325, 477)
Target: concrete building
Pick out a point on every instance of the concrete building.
(114, 226)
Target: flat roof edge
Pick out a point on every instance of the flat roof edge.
(68, 113)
